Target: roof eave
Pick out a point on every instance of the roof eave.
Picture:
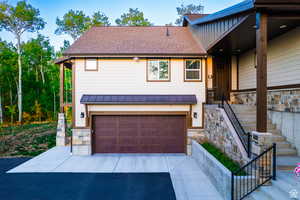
(134, 55)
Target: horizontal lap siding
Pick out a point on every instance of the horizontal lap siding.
(126, 76)
(283, 62)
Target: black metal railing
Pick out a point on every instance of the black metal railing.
(259, 171)
(244, 137)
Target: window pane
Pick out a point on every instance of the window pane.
(91, 64)
(164, 70)
(193, 64)
(153, 70)
(192, 75)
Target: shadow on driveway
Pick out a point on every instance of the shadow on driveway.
(83, 186)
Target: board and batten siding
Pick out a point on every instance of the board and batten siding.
(126, 76)
(283, 62)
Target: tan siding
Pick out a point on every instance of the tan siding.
(125, 76)
(233, 73)
(283, 62)
(209, 72)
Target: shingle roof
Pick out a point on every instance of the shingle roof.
(235, 9)
(154, 40)
(139, 99)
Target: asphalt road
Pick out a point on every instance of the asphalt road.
(82, 186)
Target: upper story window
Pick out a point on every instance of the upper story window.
(91, 64)
(193, 70)
(158, 70)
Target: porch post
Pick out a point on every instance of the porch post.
(61, 88)
(261, 71)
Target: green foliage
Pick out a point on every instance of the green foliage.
(187, 9)
(12, 111)
(133, 18)
(99, 19)
(23, 17)
(220, 156)
(40, 78)
(75, 22)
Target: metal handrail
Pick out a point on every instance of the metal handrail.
(256, 173)
(244, 137)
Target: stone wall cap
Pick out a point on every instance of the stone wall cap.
(261, 133)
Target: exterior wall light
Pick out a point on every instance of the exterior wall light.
(282, 26)
(82, 115)
(195, 115)
(136, 59)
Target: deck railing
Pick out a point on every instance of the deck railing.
(259, 171)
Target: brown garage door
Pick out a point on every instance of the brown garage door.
(139, 134)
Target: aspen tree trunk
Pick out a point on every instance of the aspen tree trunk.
(19, 79)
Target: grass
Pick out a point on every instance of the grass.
(222, 157)
(27, 140)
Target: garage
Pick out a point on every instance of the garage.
(139, 133)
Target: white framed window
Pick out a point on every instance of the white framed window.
(91, 64)
(158, 70)
(193, 70)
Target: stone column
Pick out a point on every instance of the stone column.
(61, 137)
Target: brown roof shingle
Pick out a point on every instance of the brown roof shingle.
(152, 40)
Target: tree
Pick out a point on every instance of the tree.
(74, 23)
(133, 18)
(99, 19)
(17, 20)
(187, 9)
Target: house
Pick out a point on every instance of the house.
(139, 89)
(136, 89)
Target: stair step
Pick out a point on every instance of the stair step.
(283, 144)
(273, 193)
(288, 161)
(283, 185)
(286, 152)
(257, 195)
(287, 177)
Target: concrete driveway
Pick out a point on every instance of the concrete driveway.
(188, 180)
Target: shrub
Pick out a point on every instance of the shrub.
(222, 157)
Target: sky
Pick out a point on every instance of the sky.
(159, 12)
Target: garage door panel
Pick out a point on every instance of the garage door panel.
(128, 141)
(128, 132)
(139, 134)
(106, 131)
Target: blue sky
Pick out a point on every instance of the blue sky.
(160, 12)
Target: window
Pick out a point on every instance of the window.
(192, 71)
(158, 70)
(91, 65)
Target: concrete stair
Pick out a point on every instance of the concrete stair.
(287, 158)
(247, 117)
(278, 190)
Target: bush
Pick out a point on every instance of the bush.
(220, 156)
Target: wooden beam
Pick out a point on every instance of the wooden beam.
(261, 71)
(61, 88)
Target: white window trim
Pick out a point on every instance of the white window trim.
(85, 64)
(193, 70)
(158, 79)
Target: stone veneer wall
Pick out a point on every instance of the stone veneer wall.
(283, 111)
(82, 141)
(219, 175)
(285, 100)
(218, 132)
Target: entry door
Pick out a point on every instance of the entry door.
(222, 68)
